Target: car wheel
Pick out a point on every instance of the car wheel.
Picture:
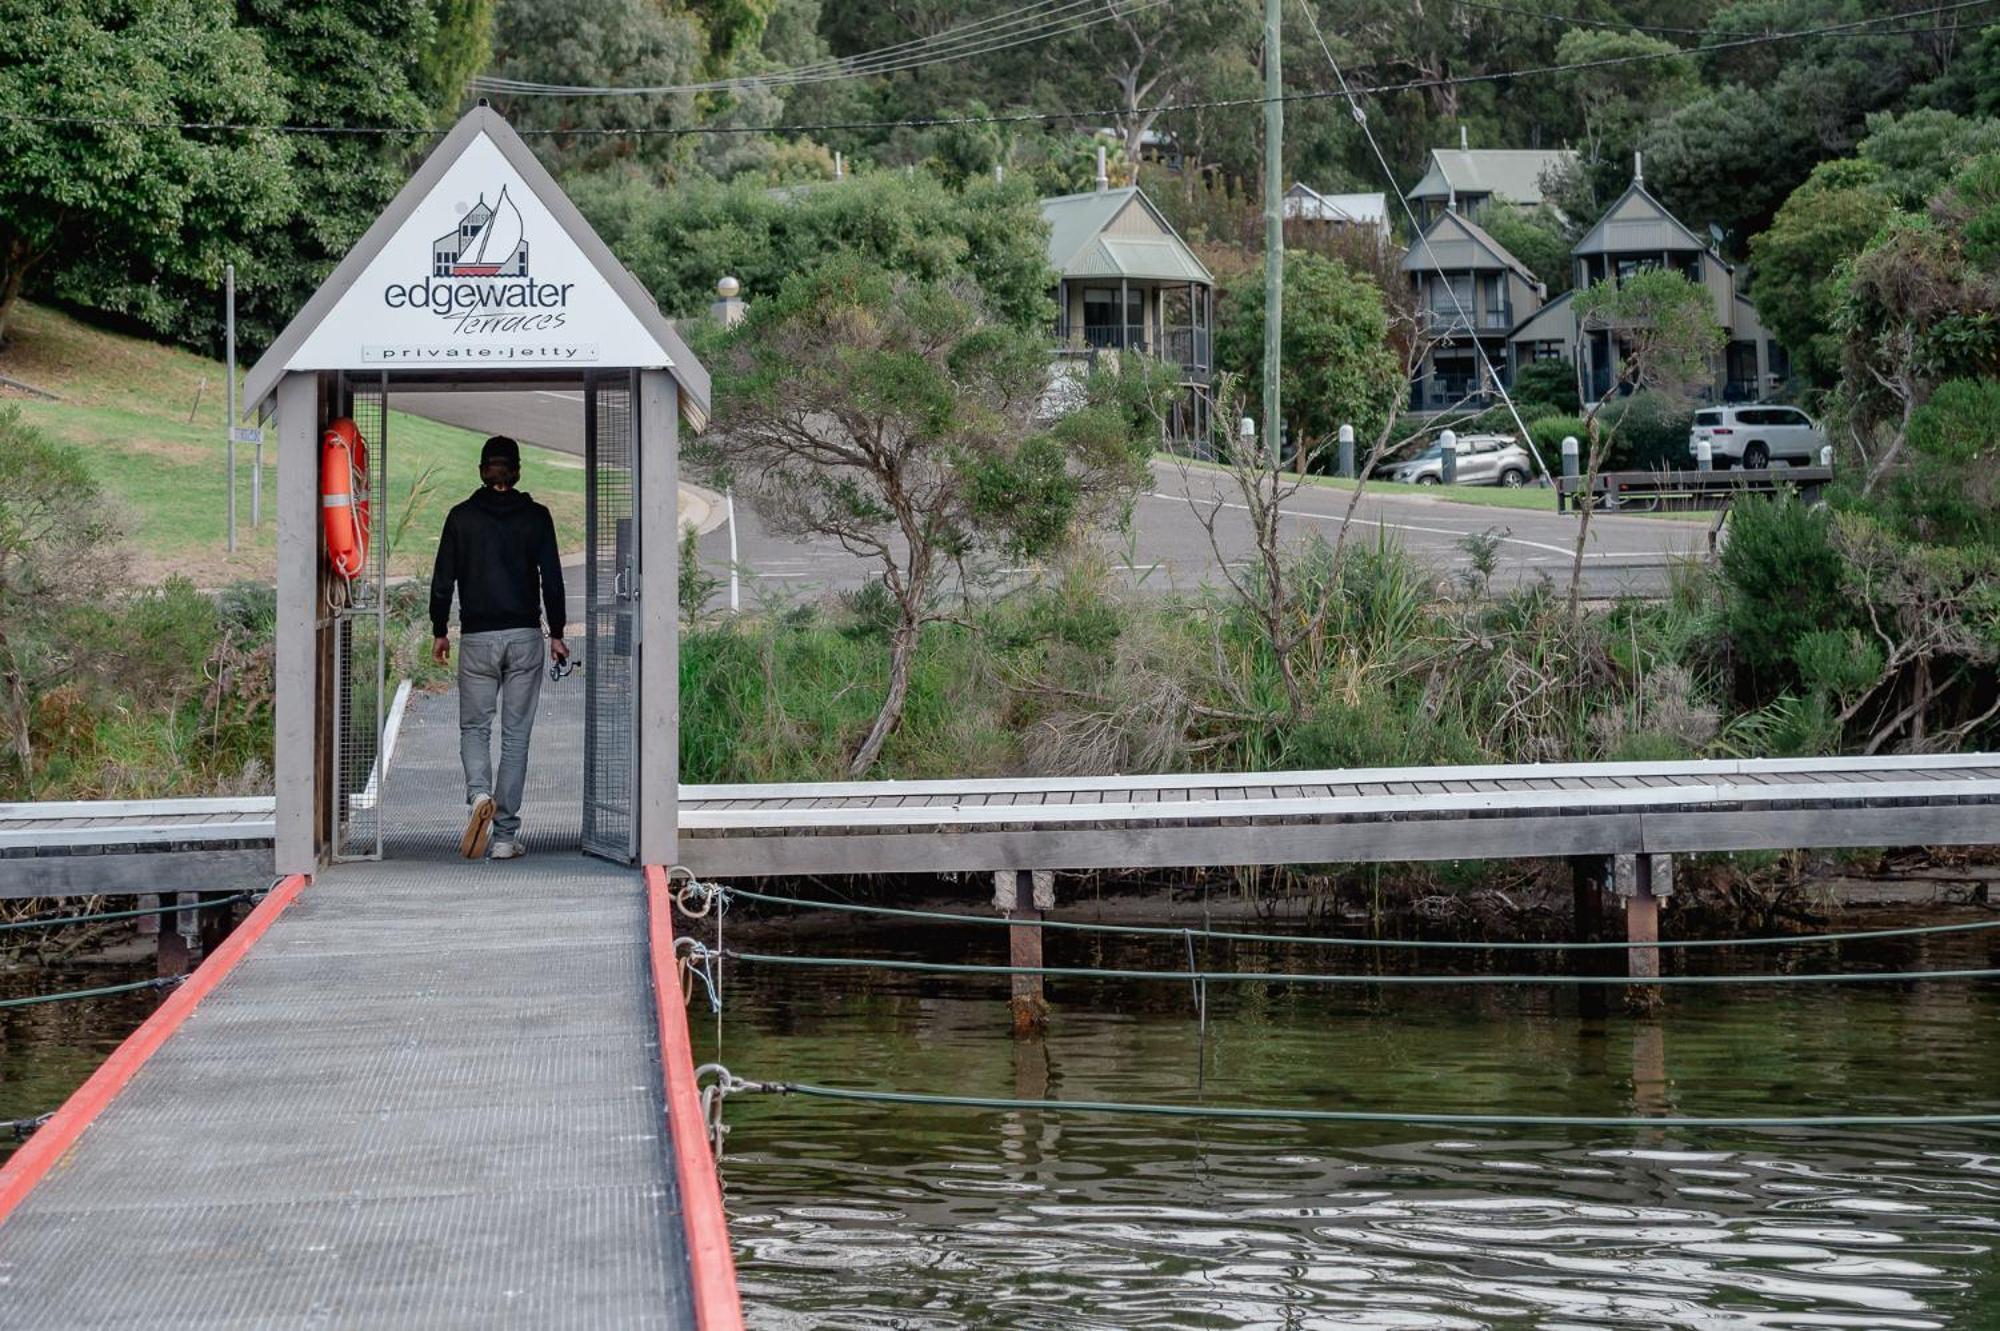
(1428, 478)
(1513, 478)
(1756, 457)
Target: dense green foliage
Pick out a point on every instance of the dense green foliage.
(1338, 368)
(680, 241)
(115, 215)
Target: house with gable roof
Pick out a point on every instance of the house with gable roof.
(1471, 293)
(1635, 234)
(1127, 282)
(1364, 213)
(1463, 179)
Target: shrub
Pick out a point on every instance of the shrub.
(1782, 573)
(1652, 433)
(1550, 381)
(1549, 432)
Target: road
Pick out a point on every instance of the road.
(1168, 548)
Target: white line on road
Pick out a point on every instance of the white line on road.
(1408, 526)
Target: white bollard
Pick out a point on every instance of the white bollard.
(1704, 455)
(1826, 456)
(1569, 448)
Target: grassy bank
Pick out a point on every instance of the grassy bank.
(150, 421)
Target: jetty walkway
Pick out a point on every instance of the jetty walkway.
(428, 1093)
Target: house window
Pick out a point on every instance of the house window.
(1451, 293)
(1101, 325)
(1547, 350)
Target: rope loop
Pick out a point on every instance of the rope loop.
(726, 1084)
(698, 961)
(693, 893)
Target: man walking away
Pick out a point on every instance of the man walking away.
(499, 551)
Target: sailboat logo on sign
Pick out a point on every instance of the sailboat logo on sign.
(487, 242)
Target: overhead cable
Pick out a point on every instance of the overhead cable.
(1010, 118)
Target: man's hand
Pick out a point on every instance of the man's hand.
(441, 650)
(558, 650)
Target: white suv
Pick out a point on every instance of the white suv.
(1756, 436)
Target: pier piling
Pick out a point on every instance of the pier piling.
(1023, 894)
(1642, 880)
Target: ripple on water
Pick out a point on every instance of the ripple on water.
(873, 1217)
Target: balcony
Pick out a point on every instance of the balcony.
(1189, 347)
(1446, 393)
(1445, 321)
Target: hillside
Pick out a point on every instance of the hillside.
(128, 402)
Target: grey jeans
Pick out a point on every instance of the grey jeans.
(501, 669)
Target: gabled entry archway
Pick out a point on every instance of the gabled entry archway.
(482, 274)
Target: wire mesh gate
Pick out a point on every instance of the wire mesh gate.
(359, 627)
(611, 592)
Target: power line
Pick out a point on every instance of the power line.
(955, 45)
(1423, 242)
(1012, 118)
(1665, 30)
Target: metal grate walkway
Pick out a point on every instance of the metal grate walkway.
(430, 1096)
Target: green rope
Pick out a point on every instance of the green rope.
(1411, 944)
(51, 921)
(105, 991)
(1286, 977)
(1366, 1116)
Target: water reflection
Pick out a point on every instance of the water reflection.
(871, 1216)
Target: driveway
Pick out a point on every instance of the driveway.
(1168, 549)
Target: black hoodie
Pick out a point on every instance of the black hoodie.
(497, 548)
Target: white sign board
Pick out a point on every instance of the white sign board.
(480, 275)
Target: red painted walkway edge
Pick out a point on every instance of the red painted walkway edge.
(53, 1140)
(711, 1264)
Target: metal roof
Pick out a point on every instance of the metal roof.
(1639, 222)
(688, 373)
(1554, 320)
(1304, 202)
(1078, 246)
(1511, 173)
(1456, 243)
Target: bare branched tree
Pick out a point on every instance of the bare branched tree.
(1663, 329)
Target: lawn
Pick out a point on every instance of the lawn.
(127, 404)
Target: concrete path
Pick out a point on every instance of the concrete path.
(429, 1096)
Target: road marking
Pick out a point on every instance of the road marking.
(1410, 526)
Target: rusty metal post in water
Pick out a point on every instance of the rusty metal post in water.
(1023, 894)
(1642, 880)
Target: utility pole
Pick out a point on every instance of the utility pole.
(1274, 222)
(229, 336)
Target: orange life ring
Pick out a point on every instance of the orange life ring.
(343, 501)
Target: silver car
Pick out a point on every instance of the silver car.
(1755, 437)
(1483, 459)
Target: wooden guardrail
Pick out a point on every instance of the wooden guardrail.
(1686, 491)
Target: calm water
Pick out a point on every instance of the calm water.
(48, 1051)
(869, 1216)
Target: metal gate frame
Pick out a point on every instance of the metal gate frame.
(612, 459)
(355, 791)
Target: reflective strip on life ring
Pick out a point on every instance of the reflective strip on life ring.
(343, 485)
